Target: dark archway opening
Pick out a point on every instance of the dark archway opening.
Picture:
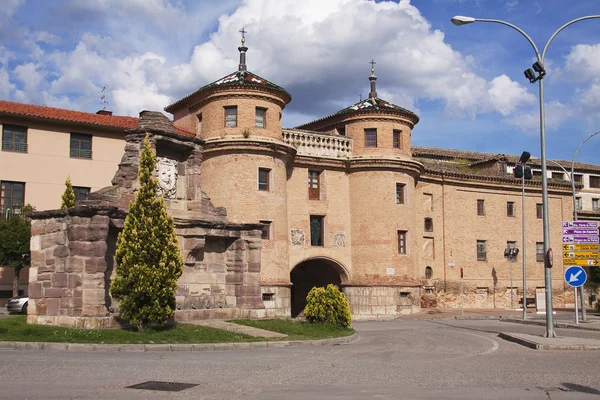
(307, 275)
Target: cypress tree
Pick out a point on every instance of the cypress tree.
(68, 197)
(148, 258)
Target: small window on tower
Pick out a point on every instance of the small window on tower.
(314, 185)
(261, 117)
(231, 116)
(199, 116)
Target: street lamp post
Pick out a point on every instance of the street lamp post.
(525, 173)
(581, 292)
(539, 67)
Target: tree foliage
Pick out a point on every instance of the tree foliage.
(15, 236)
(148, 258)
(328, 305)
(68, 197)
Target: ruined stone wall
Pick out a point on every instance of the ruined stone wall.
(368, 302)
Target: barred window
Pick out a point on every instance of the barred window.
(81, 146)
(481, 250)
(14, 138)
(230, 116)
(539, 251)
(480, 207)
(370, 137)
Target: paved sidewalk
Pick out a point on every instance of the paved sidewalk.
(231, 327)
(557, 343)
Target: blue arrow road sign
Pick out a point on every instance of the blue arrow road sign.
(575, 276)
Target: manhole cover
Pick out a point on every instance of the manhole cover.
(163, 386)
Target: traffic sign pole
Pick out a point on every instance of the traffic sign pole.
(576, 312)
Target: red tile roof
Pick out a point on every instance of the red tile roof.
(184, 132)
(59, 114)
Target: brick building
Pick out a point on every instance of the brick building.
(345, 199)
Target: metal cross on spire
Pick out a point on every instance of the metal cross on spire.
(372, 65)
(243, 32)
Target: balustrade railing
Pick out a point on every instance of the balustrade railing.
(318, 145)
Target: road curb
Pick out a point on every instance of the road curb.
(99, 347)
(548, 346)
(556, 324)
(460, 317)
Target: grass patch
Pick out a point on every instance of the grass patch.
(298, 330)
(16, 329)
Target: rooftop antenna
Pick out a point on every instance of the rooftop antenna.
(103, 98)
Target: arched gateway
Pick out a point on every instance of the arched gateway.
(310, 273)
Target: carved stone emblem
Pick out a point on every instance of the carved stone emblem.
(166, 172)
(339, 239)
(297, 237)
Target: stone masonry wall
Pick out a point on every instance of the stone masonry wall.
(368, 302)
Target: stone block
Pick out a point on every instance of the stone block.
(251, 278)
(38, 259)
(52, 292)
(52, 239)
(35, 290)
(217, 289)
(235, 278)
(93, 281)
(94, 265)
(44, 277)
(93, 297)
(60, 280)
(89, 310)
(76, 264)
(254, 266)
(52, 226)
(88, 249)
(61, 251)
(35, 244)
(90, 233)
(47, 269)
(73, 281)
(53, 306)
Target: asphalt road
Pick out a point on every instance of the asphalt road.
(402, 359)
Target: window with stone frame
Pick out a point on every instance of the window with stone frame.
(402, 237)
(539, 211)
(428, 224)
(264, 179)
(266, 229)
(230, 116)
(81, 192)
(558, 176)
(371, 137)
(595, 205)
(510, 208)
(14, 138)
(314, 191)
(12, 197)
(539, 251)
(400, 193)
(537, 175)
(397, 134)
(481, 250)
(594, 182)
(260, 118)
(578, 178)
(578, 204)
(316, 230)
(199, 117)
(428, 272)
(428, 248)
(480, 207)
(80, 146)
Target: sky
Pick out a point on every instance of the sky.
(465, 83)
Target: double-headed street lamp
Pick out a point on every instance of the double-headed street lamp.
(539, 68)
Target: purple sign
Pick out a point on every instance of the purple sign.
(580, 224)
(580, 231)
(580, 239)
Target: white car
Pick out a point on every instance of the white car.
(18, 304)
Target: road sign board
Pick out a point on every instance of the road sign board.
(580, 224)
(580, 254)
(575, 276)
(580, 232)
(591, 263)
(581, 247)
(580, 239)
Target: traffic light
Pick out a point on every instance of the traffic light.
(527, 172)
(518, 171)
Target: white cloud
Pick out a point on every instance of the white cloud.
(29, 76)
(506, 95)
(583, 62)
(529, 122)
(6, 87)
(9, 7)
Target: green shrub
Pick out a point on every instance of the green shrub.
(148, 259)
(68, 197)
(328, 305)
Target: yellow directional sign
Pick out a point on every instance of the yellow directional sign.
(581, 254)
(569, 261)
(581, 247)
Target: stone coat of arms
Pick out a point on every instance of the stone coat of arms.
(166, 172)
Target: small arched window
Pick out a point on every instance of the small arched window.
(428, 272)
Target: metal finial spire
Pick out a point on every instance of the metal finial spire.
(243, 50)
(103, 97)
(373, 78)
